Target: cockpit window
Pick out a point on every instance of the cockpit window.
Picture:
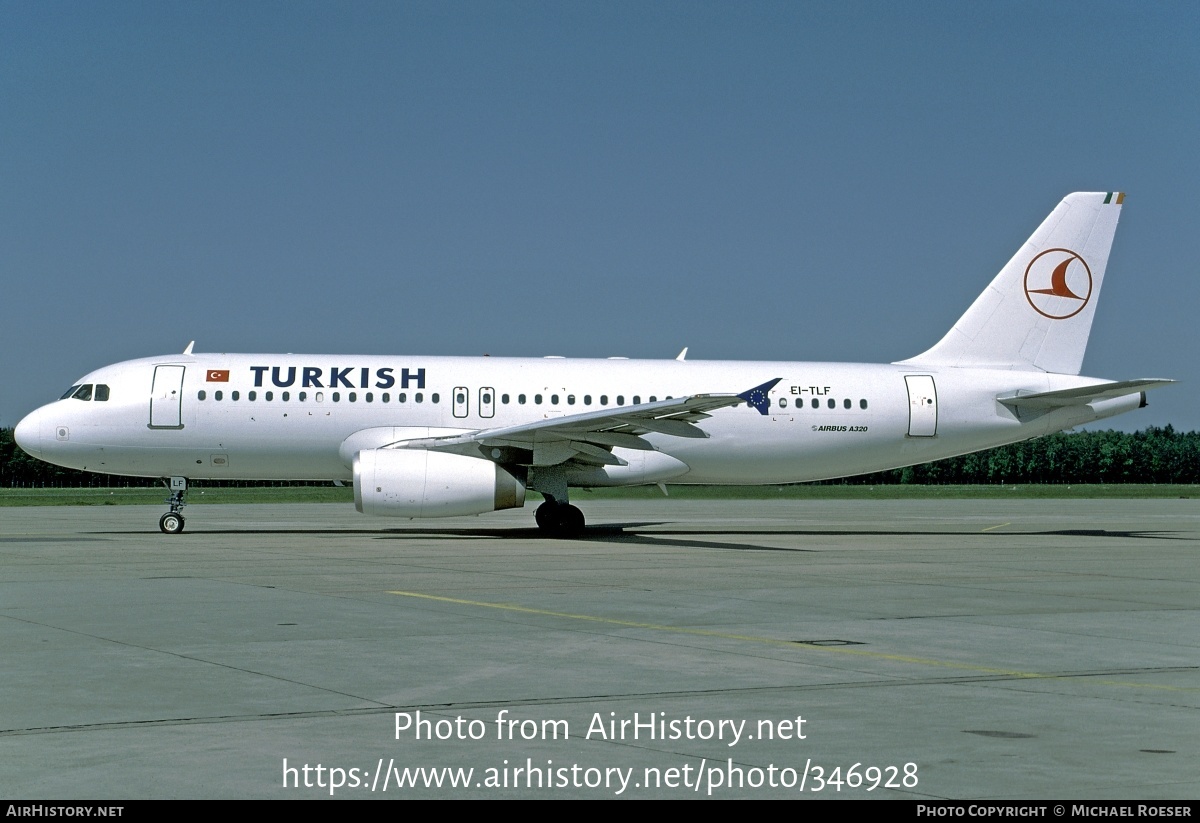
(101, 392)
(84, 392)
(70, 392)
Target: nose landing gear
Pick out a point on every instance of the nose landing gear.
(172, 522)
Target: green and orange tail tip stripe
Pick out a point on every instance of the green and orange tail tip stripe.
(1119, 195)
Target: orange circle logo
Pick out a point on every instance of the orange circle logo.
(1058, 283)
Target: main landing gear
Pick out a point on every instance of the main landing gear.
(556, 517)
(172, 522)
(559, 519)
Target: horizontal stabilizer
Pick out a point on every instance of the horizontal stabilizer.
(1083, 394)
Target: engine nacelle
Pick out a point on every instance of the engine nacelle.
(420, 483)
(379, 436)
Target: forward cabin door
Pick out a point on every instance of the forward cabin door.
(922, 405)
(166, 398)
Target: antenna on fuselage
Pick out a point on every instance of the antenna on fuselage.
(683, 354)
(188, 350)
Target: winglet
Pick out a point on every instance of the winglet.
(758, 397)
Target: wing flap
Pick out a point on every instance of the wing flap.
(605, 456)
(672, 426)
(615, 438)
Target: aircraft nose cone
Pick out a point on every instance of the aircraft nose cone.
(28, 433)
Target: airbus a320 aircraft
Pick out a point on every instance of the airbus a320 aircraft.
(446, 436)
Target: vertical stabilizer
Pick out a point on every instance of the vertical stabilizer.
(1037, 312)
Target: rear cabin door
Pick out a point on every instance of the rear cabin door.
(922, 405)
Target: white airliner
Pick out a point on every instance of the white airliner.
(446, 436)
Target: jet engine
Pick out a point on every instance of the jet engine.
(421, 483)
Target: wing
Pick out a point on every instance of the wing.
(589, 438)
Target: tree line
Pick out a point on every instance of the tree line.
(1153, 455)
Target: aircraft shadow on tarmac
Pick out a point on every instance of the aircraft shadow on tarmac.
(639, 533)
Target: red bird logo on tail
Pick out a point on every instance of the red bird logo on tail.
(1058, 283)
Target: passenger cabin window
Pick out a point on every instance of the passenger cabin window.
(816, 404)
(434, 398)
(200, 395)
(862, 404)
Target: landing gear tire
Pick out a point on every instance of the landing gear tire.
(570, 521)
(171, 523)
(544, 516)
(559, 520)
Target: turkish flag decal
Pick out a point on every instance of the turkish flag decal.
(218, 375)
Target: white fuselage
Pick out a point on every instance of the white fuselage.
(297, 417)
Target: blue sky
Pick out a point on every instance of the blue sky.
(793, 181)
